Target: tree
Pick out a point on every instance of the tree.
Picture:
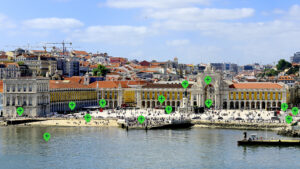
(293, 70)
(20, 63)
(272, 72)
(100, 71)
(283, 64)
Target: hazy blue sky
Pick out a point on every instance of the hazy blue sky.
(238, 31)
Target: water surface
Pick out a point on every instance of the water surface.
(92, 147)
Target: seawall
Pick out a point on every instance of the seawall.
(75, 122)
(238, 125)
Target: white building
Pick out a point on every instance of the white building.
(9, 70)
(32, 94)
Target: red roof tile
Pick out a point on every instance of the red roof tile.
(256, 86)
(1, 86)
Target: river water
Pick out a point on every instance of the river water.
(92, 147)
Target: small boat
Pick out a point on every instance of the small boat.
(254, 141)
(175, 124)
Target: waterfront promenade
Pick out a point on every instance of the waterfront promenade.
(233, 119)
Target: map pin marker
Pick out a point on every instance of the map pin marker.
(141, 119)
(295, 111)
(161, 99)
(185, 84)
(207, 80)
(20, 111)
(102, 103)
(208, 103)
(288, 119)
(72, 105)
(47, 136)
(284, 106)
(87, 118)
(169, 109)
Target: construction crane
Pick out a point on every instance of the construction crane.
(63, 43)
(27, 47)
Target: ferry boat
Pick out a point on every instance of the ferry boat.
(255, 141)
(175, 124)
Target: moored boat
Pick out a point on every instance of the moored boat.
(254, 141)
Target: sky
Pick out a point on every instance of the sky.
(194, 31)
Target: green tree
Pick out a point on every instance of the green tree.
(20, 63)
(271, 72)
(293, 70)
(283, 64)
(100, 71)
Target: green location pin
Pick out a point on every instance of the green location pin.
(208, 103)
(20, 111)
(185, 84)
(87, 118)
(141, 119)
(169, 109)
(47, 136)
(284, 106)
(295, 111)
(207, 80)
(161, 99)
(102, 103)
(72, 105)
(288, 119)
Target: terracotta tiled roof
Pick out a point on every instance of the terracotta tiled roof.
(115, 64)
(64, 84)
(256, 86)
(1, 86)
(3, 56)
(76, 79)
(147, 71)
(38, 51)
(117, 60)
(103, 84)
(153, 85)
(77, 52)
(155, 63)
(93, 66)
(83, 63)
(155, 66)
(87, 57)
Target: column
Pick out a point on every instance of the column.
(202, 100)
(260, 105)
(239, 105)
(250, 105)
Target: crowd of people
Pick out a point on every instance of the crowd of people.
(156, 116)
